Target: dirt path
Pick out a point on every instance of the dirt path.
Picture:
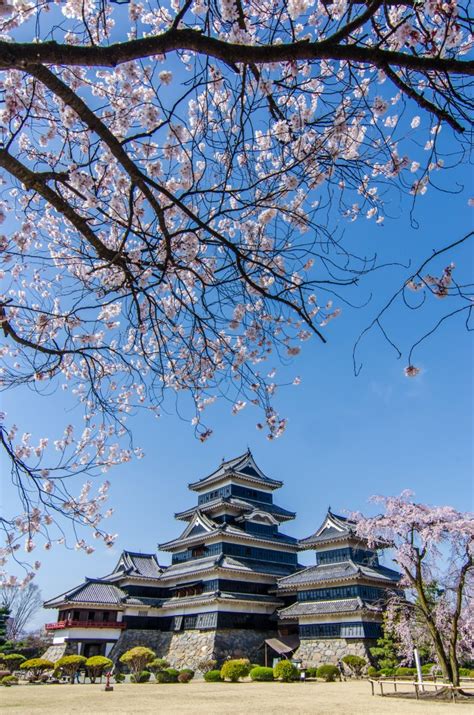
(199, 698)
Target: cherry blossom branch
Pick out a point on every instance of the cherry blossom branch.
(422, 102)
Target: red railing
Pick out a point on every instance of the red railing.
(69, 623)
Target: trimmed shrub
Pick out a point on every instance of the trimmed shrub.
(184, 677)
(427, 668)
(328, 672)
(286, 671)
(405, 671)
(233, 670)
(119, 677)
(70, 665)
(96, 665)
(137, 658)
(189, 671)
(9, 680)
(465, 672)
(161, 676)
(13, 661)
(356, 664)
(158, 664)
(311, 672)
(372, 672)
(142, 677)
(173, 674)
(387, 671)
(37, 666)
(213, 676)
(260, 674)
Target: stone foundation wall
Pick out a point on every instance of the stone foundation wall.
(186, 649)
(241, 643)
(55, 652)
(331, 650)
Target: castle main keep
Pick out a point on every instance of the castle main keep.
(234, 586)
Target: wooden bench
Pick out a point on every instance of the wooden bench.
(420, 686)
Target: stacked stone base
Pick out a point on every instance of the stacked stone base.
(317, 652)
(187, 649)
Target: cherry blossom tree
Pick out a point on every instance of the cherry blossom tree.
(174, 177)
(434, 549)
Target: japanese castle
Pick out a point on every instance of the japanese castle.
(234, 586)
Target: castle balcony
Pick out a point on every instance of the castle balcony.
(69, 623)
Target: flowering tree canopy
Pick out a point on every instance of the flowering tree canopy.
(171, 173)
(434, 549)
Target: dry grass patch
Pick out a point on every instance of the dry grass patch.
(199, 698)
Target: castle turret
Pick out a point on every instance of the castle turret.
(339, 601)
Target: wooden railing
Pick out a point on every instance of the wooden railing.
(69, 623)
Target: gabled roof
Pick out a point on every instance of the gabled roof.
(199, 526)
(132, 563)
(244, 467)
(93, 591)
(235, 505)
(333, 528)
(338, 572)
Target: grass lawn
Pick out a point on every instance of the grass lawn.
(199, 698)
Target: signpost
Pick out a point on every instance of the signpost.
(418, 667)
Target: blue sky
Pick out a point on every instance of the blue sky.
(348, 437)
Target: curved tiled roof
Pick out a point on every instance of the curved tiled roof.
(94, 591)
(243, 465)
(333, 572)
(238, 504)
(134, 563)
(207, 563)
(346, 605)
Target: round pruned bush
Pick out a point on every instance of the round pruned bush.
(465, 672)
(405, 672)
(13, 661)
(119, 677)
(137, 659)
(355, 663)
(189, 671)
(96, 665)
(386, 672)
(161, 676)
(157, 664)
(328, 672)
(372, 672)
(184, 677)
(173, 674)
(311, 672)
(37, 666)
(213, 676)
(233, 670)
(261, 674)
(70, 665)
(8, 680)
(142, 677)
(286, 671)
